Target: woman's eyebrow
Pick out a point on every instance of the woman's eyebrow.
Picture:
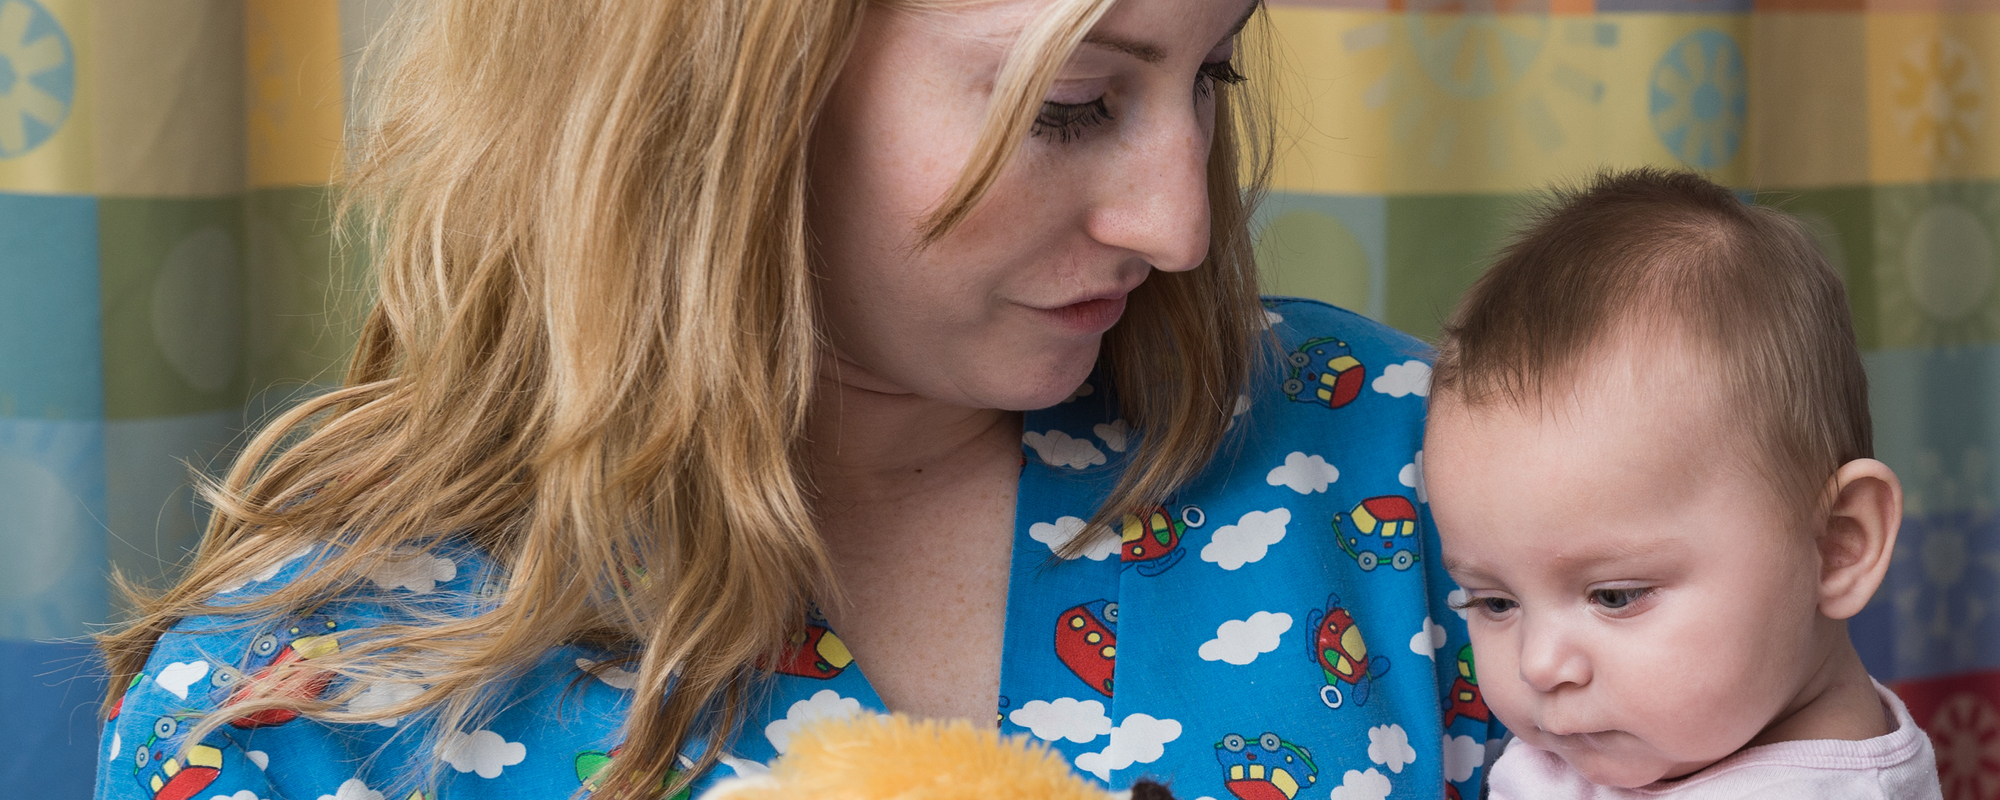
(1144, 51)
(1153, 53)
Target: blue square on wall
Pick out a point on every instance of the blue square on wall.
(53, 366)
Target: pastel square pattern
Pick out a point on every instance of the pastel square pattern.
(1937, 263)
(1437, 246)
(1931, 83)
(1326, 247)
(1842, 222)
(1808, 101)
(51, 511)
(49, 308)
(152, 513)
(174, 310)
(305, 296)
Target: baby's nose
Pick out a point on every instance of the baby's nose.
(1551, 657)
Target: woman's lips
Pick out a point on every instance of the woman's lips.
(1089, 316)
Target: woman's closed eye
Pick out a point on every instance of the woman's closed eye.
(1068, 122)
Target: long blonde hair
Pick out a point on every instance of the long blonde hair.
(594, 346)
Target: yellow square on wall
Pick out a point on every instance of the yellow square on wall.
(1447, 103)
(1930, 96)
(297, 97)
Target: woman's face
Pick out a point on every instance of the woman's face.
(1007, 311)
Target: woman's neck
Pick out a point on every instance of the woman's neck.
(864, 443)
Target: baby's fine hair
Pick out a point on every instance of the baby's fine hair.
(1671, 252)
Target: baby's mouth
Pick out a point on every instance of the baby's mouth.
(1580, 739)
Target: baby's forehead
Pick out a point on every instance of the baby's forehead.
(1639, 374)
(1637, 420)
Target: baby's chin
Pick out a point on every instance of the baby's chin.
(1619, 759)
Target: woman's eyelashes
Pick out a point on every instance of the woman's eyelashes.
(1214, 72)
(1067, 122)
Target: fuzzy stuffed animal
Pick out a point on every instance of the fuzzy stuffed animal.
(872, 757)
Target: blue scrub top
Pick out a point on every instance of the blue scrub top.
(1280, 628)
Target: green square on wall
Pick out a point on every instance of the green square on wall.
(173, 303)
(1439, 245)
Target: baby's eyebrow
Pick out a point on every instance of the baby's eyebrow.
(1585, 556)
(1597, 554)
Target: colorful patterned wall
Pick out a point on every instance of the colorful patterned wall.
(165, 267)
(167, 274)
(1419, 125)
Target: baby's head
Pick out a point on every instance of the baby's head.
(1649, 461)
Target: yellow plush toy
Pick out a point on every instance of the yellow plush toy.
(872, 757)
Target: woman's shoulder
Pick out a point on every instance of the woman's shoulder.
(203, 665)
(1333, 369)
(1297, 321)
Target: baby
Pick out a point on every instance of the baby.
(1648, 460)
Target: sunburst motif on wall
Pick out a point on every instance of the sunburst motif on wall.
(1937, 264)
(37, 76)
(1964, 730)
(1486, 62)
(1938, 97)
(1699, 99)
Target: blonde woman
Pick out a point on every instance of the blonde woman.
(709, 328)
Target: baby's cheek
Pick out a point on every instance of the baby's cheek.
(1692, 710)
(1499, 675)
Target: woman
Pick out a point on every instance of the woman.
(707, 328)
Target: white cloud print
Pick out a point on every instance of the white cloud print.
(481, 751)
(1058, 533)
(1356, 785)
(1427, 641)
(1462, 755)
(178, 676)
(384, 695)
(268, 572)
(1140, 739)
(1407, 378)
(1389, 745)
(353, 789)
(617, 677)
(1241, 641)
(1058, 449)
(824, 704)
(1413, 476)
(1066, 718)
(1303, 474)
(242, 794)
(1115, 434)
(1248, 540)
(413, 569)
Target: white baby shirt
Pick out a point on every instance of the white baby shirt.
(1897, 766)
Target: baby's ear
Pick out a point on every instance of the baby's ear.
(1859, 537)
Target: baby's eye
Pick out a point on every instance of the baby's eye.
(1489, 606)
(1494, 605)
(1617, 598)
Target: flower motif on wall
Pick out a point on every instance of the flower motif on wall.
(37, 76)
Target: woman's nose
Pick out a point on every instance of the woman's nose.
(1552, 657)
(1154, 200)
